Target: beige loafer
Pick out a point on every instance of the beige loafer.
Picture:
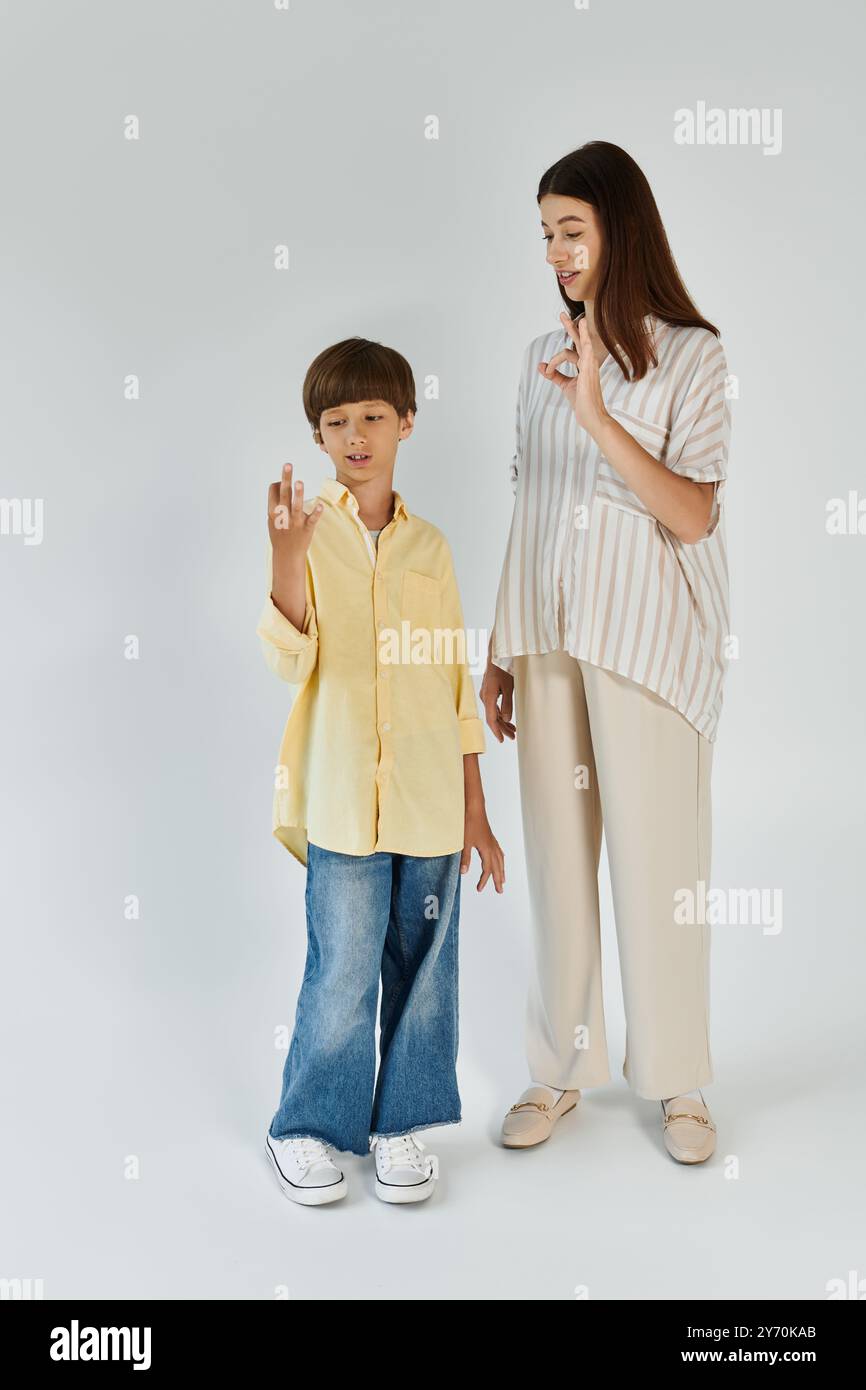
(532, 1119)
(689, 1133)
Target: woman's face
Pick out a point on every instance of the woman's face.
(571, 230)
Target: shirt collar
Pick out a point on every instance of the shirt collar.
(651, 322)
(338, 493)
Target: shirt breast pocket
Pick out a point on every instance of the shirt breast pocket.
(421, 600)
(611, 487)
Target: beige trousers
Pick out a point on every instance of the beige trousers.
(596, 750)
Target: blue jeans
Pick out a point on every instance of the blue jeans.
(372, 916)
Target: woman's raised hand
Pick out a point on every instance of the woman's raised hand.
(582, 391)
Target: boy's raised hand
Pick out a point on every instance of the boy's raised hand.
(289, 526)
(291, 530)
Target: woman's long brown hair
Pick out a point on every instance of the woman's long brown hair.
(638, 274)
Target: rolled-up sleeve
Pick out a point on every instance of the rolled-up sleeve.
(290, 652)
(465, 699)
(701, 429)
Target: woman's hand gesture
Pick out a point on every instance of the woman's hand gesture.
(583, 391)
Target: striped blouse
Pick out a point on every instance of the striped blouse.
(588, 569)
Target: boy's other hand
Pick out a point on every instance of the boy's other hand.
(289, 526)
(497, 697)
(478, 835)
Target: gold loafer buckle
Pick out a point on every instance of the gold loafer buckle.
(687, 1115)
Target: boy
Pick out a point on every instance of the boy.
(379, 794)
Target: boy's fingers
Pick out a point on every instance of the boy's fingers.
(285, 486)
(507, 703)
(278, 509)
(484, 877)
(314, 515)
(465, 858)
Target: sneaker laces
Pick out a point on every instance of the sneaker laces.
(308, 1151)
(404, 1150)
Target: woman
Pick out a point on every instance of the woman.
(610, 636)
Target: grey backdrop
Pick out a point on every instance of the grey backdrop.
(150, 1041)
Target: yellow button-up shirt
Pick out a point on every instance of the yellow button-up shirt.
(372, 753)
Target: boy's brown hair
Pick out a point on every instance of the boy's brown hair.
(357, 370)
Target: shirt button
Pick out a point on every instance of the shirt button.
(386, 728)
(384, 675)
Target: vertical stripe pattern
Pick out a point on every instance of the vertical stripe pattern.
(587, 567)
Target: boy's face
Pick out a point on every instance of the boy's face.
(361, 438)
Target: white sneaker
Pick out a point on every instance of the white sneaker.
(403, 1173)
(305, 1170)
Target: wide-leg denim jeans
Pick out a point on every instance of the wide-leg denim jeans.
(388, 917)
